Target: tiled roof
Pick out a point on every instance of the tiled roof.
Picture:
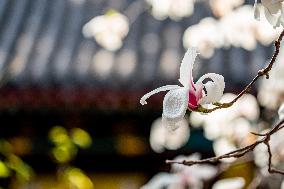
(42, 46)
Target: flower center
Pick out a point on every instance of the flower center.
(193, 101)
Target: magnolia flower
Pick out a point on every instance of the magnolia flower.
(109, 29)
(190, 94)
(175, 9)
(222, 7)
(272, 11)
(232, 183)
(162, 138)
(205, 36)
(276, 146)
(182, 176)
(210, 33)
(222, 123)
(271, 91)
(276, 143)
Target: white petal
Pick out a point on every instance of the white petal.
(205, 171)
(186, 67)
(274, 20)
(281, 111)
(232, 183)
(214, 88)
(273, 6)
(157, 136)
(256, 10)
(174, 106)
(160, 89)
(161, 180)
(178, 138)
(179, 167)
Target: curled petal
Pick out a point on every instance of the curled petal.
(174, 107)
(214, 88)
(186, 67)
(274, 20)
(273, 6)
(160, 89)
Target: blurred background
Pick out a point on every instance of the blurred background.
(72, 73)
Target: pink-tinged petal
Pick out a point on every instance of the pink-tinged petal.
(186, 68)
(192, 100)
(195, 95)
(199, 91)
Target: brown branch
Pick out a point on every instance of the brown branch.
(262, 72)
(242, 151)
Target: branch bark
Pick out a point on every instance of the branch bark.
(242, 151)
(263, 72)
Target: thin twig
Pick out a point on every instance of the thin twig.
(262, 72)
(242, 151)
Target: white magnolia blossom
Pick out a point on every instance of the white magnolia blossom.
(229, 128)
(204, 36)
(223, 7)
(238, 28)
(230, 183)
(175, 9)
(271, 91)
(222, 146)
(281, 111)
(276, 145)
(211, 33)
(183, 177)
(272, 9)
(191, 94)
(233, 123)
(109, 29)
(162, 138)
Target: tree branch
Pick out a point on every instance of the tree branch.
(262, 72)
(242, 151)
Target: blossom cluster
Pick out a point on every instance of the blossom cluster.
(109, 29)
(211, 33)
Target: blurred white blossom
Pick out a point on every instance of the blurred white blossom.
(222, 123)
(222, 146)
(276, 145)
(109, 29)
(183, 177)
(222, 7)
(175, 9)
(271, 91)
(205, 36)
(191, 94)
(238, 28)
(230, 183)
(229, 128)
(210, 33)
(162, 138)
